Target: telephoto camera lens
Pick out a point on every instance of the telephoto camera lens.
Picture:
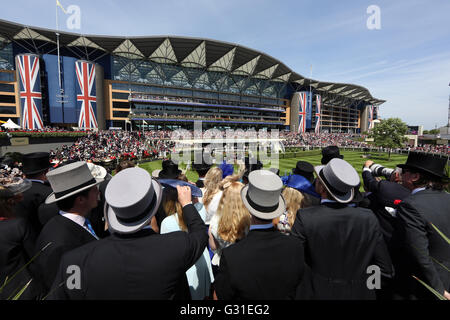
(379, 171)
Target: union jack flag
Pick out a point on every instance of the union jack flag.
(302, 112)
(318, 112)
(30, 91)
(87, 98)
(371, 123)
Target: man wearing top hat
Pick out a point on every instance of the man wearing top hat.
(340, 241)
(265, 264)
(427, 254)
(169, 170)
(35, 167)
(330, 152)
(76, 193)
(135, 262)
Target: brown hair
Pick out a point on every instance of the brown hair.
(172, 206)
(125, 164)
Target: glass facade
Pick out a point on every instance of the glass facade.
(183, 81)
(6, 58)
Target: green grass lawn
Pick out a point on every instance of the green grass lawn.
(286, 165)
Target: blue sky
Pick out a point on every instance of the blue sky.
(406, 62)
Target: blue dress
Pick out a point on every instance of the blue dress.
(200, 275)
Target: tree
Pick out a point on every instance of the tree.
(390, 133)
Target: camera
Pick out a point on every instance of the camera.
(379, 171)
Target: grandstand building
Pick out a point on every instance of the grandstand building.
(164, 82)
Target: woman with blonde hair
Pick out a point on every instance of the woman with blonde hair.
(212, 194)
(297, 194)
(232, 220)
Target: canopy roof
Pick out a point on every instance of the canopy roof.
(200, 53)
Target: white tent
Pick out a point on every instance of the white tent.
(10, 125)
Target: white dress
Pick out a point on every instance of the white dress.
(213, 206)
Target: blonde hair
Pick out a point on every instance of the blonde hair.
(234, 218)
(212, 180)
(172, 206)
(294, 200)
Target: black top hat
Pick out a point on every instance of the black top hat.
(169, 170)
(201, 168)
(252, 164)
(304, 169)
(426, 162)
(35, 162)
(329, 153)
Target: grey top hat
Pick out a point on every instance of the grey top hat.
(262, 195)
(339, 178)
(69, 180)
(132, 198)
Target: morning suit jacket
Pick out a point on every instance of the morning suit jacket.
(17, 241)
(421, 242)
(142, 265)
(266, 264)
(340, 242)
(32, 199)
(384, 194)
(64, 235)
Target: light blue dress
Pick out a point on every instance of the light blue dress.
(200, 275)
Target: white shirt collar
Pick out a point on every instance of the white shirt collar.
(36, 180)
(74, 217)
(417, 190)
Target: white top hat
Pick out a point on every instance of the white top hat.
(262, 196)
(69, 180)
(132, 198)
(339, 178)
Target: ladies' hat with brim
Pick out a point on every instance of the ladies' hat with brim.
(339, 178)
(173, 183)
(97, 171)
(300, 183)
(426, 162)
(69, 180)
(132, 199)
(14, 186)
(262, 195)
(33, 163)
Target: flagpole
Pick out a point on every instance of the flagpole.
(310, 95)
(59, 64)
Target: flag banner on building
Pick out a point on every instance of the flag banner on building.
(30, 91)
(371, 116)
(304, 121)
(86, 95)
(318, 112)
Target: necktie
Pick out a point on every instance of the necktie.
(88, 225)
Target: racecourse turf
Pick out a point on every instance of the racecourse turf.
(285, 165)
